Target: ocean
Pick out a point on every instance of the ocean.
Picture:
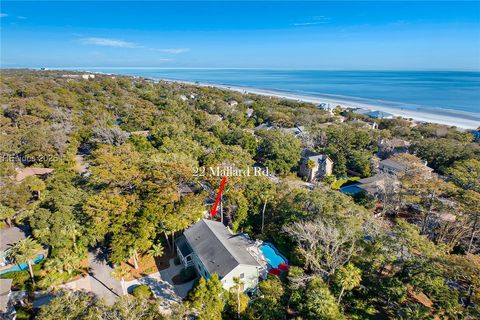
(437, 91)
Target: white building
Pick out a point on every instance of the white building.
(211, 248)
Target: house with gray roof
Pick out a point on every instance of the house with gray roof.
(379, 115)
(392, 166)
(6, 308)
(9, 236)
(314, 166)
(211, 248)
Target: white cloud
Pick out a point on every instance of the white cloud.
(3, 15)
(173, 50)
(21, 17)
(106, 42)
(313, 21)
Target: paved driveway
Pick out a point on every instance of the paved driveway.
(161, 289)
(172, 271)
(101, 282)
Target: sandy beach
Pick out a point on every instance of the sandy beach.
(459, 119)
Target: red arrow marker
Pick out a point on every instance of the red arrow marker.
(213, 212)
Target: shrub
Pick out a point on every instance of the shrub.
(142, 291)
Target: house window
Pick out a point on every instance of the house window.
(200, 267)
(206, 274)
(242, 275)
(189, 258)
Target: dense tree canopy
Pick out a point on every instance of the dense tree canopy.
(127, 156)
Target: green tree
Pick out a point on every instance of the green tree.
(268, 304)
(156, 250)
(6, 214)
(25, 251)
(347, 278)
(116, 166)
(36, 185)
(208, 298)
(236, 301)
(72, 305)
(280, 150)
(120, 273)
(142, 291)
(466, 174)
(319, 302)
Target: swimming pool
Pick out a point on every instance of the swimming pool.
(351, 189)
(270, 253)
(22, 266)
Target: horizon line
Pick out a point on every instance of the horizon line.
(236, 68)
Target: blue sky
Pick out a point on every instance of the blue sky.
(321, 35)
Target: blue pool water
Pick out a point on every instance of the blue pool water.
(273, 258)
(22, 266)
(351, 189)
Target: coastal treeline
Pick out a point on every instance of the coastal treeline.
(125, 154)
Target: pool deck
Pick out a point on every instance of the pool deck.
(255, 251)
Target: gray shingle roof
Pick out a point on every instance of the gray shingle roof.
(393, 164)
(314, 156)
(9, 236)
(183, 245)
(5, 285)
(219, 250)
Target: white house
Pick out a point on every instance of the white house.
(211, 248)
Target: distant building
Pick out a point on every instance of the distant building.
(79, 76)
(395, 167)
(366, 125)
(298, 131)
(232, 103)
(379, 115)
(211, 248)
(248, 101)
(387, 147)
(8, 237)
(476, 134)
(326, 106)
(371, 185)
(375, 114)
(7, 311)
(183, 97)
(23, 173)
(265, 126)
(392, 166)
(249, 112)
(322, 166)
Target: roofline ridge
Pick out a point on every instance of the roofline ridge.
(204, 220)
(226, 248)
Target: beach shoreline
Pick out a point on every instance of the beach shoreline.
(463, 122)
(461, 119)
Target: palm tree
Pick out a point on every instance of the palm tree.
(36, 185)
(347, 278)
(134, 255)
(238, 283)
(156, 250)
(311, 165)
(120, 273)
(25, 251)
